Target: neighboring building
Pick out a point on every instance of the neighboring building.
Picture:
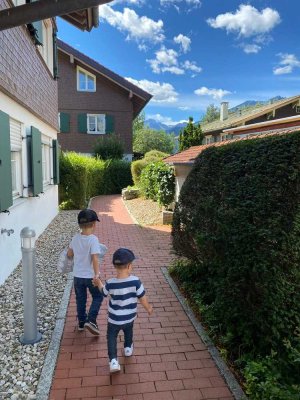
(219, 130)
(94, 101)
(183, 162)
(28, 127)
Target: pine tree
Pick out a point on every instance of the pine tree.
(191, 135)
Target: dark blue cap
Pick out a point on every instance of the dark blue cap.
(123, 256)
(87, 215)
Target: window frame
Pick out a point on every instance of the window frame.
(95, 132)
(87, 74)
(208, 139)
(46, 163)
(16, 174)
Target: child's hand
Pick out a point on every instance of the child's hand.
(150, 310)
(96, 281)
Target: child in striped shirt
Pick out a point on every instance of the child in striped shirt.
(124, 291)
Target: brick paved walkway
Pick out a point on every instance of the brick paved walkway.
(170, 362)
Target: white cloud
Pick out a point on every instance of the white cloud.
(137, 28)
(166, 60)
(247, 21)
(164, 120)
(216, 94)
(288, 63)
(184, 108)
(161, 92)
(251, 48)
(131, 2)
(191, 66)
(195, 3)
(184, 42)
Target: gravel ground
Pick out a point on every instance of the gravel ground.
(146, 212)
(20, 365)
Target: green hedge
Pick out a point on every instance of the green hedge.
(84, 177)
(138, 165)
(238, 218)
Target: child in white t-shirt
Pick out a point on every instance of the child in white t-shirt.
(86, 250)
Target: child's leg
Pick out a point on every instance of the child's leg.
(96, 302)
(112, 335)
(128, 334)
(81, 296)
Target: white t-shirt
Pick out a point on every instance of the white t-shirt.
(83, 247)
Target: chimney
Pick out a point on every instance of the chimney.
(224, 110)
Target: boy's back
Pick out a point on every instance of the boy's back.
(83, 247)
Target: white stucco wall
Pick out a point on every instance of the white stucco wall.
(35, 212)
(181, 172)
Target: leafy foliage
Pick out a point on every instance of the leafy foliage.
(84, 177)
(238, 220)
(138, 165)
(147, 139)
(212, 113)
(158, 183)
(191, 135)
(109, 147)
(139, 122)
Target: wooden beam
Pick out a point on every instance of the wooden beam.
(43, 9)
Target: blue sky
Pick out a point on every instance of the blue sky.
(192, 53)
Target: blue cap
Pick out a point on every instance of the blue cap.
(123, 256)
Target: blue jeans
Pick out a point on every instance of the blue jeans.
(81, 285)
(112, 335)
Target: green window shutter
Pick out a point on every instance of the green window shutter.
(109, 124)
(55, 55)
(64, 122)
(82, 123)
(6, 199)
(36, 161)
(56, 151)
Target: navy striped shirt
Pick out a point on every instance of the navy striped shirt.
(123, 298)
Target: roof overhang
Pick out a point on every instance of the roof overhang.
(81, 13)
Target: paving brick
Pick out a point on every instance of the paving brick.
(158, 396)
(81, 393)
(175, 384)
(215, 393)
(125, 379)
(143, 387)
(164, 366)
(81, 372)
(66, 383)
(57, 394)
(197, 383)
(193, 394)
(112, 390)
(152, 376)
(96, 380)
(180, 374)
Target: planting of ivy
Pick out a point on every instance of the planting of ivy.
(238, 222)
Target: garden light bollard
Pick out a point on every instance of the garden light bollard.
(31, 334)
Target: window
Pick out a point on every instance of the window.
(224, 137)
(19, 2)
(16, 157)
(96, 123)
(46, 159)
(208, 139)
(86, 82)
(46, 37)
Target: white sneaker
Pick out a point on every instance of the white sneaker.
(128, 351)
(114, 366)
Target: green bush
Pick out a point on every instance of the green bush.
(109, 147)
(138, 165)
(238, 219)
(136, 170)
(158, 183)
(85, 177)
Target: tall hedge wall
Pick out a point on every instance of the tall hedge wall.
(238, 219)
(83, 177)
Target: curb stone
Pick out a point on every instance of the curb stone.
(232, 383)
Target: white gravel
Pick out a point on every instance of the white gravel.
(21, 366)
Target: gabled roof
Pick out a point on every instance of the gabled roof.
(188, 156)
(242, 116)
(138, 96)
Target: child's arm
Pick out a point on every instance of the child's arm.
(99, 283)
(95, 261)
(70, 253)
(144, 302)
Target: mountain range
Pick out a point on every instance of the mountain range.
(154, 124)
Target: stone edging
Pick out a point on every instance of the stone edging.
(232, 383)
(45, 381)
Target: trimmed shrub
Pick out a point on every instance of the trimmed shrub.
(109, 147)
(238, 219)
(158, 183)
(85, 177)
(138, 165)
